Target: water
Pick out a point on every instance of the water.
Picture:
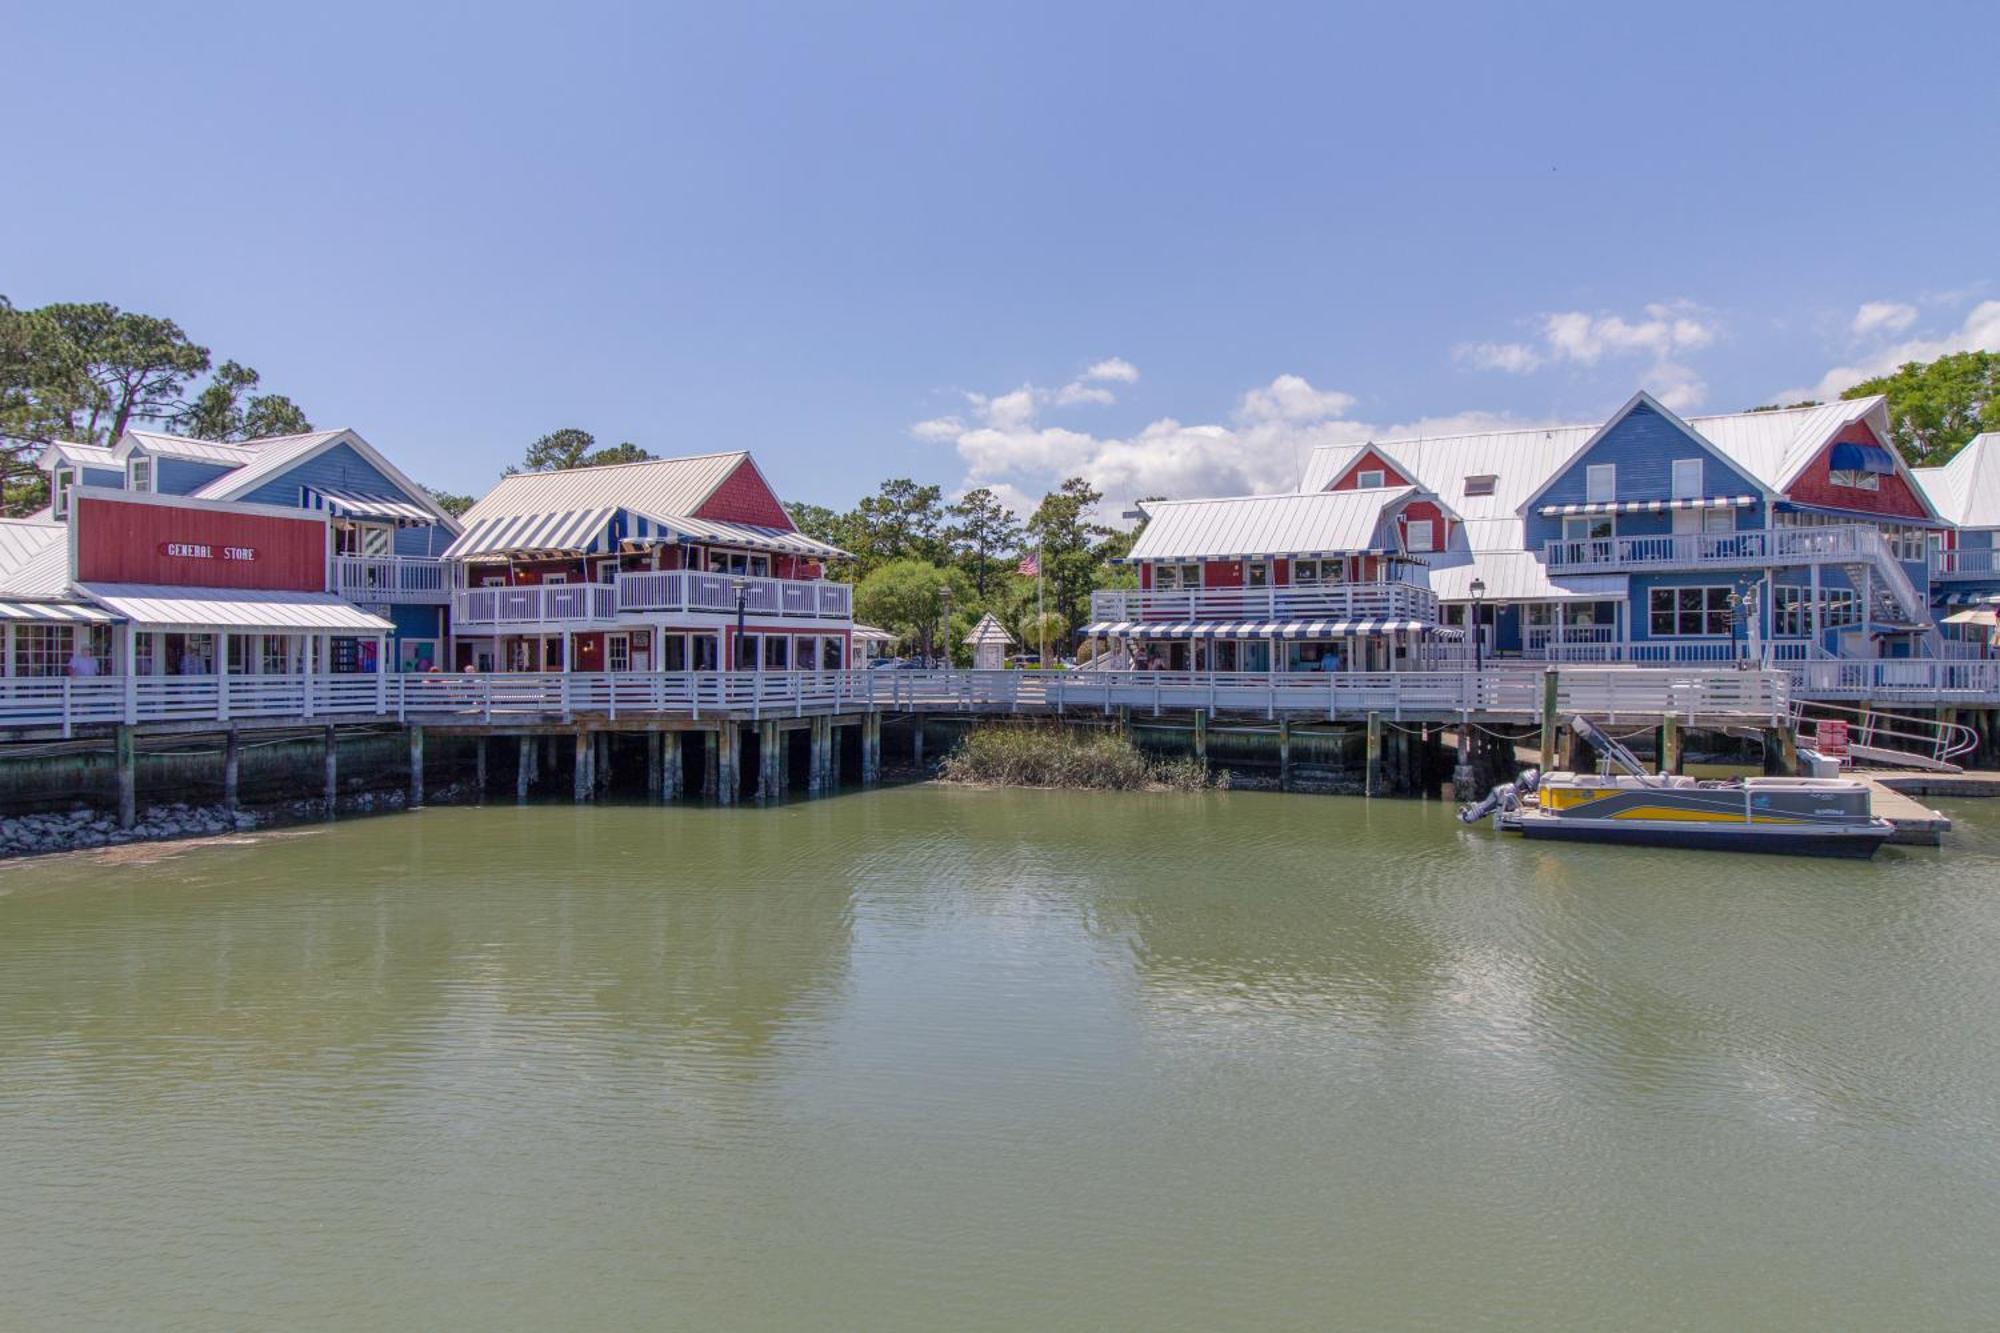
(928, 1058)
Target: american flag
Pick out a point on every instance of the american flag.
(1030, 566)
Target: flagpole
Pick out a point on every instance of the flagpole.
(1041, 616)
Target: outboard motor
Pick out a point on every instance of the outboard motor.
(1503, 798)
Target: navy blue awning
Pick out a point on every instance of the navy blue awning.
(1863, 515)
(1861, 458)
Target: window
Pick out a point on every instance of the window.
(1173, 578)
(1589, 527)
(617, 652)
(1372, 479)
(556, 576)
(776, 652)
(1319, 571)
(830, 658)
(277, 655)
(139, 473)
(239, 652)
(41, 650)
(1600, 483)
(1481, 484)
(747, 648)
(805, 654)
(1704, 520)
(1685, 612)
(60, 483)
(1687, 479)
(1256, 574)
(1858, 481)
(1418, 535)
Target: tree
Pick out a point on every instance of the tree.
(1937, 406)
(561, 450)
(900, 521)
(818, 522)
(226, 409)
(1067, 535)
(906, 597)
(982, 529)
(451, 504)
(132, 367)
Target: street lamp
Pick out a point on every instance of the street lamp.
(1478, 632)
(739, 586)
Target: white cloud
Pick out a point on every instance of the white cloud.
(1262, 448)
(1114, 368)
(1883, 317)
(939, 430)
(1980, 332)
(1663, 332)
(1079, 392)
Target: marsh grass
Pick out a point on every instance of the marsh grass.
(1055, 756)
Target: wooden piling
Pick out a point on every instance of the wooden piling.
(672, 773)
(524, 767)
(917, 739)
(655, 765)
(416, 766)
(816, 757)
(232, 769)
(711, 757)
(871, 749)
(1787, 742)
(1374, 774)
(768, 741)
(1670, 744)
(1201, 735)
(479, 766)
(580, 779)
(1284, 754)
(330, 770)
(728, 758)
(128, 778)
(1551, 716)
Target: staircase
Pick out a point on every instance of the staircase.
(1893, 740)
(1890, 591)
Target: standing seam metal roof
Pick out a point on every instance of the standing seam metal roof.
(1322, 522)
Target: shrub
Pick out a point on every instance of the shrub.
(1052, 755)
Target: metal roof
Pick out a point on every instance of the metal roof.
(568, 531)
(67, 613)
(871, 634)
(664, 486)
(352, 504)
(1321, 523)
(989, 630)
(34, 559)
(1520, 576)
(82, 455)
(1966, 489)
(752, 535)
(162, 445)
(151, 606)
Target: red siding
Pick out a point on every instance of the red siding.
(744, 498)
(1424, 509)
(1146, 577)
(1893, 498)
(1368, 462)
(1281, 572)
(589, 653)
(120, 541)
(1222, 574)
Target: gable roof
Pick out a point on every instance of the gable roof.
(279, 452)
(1966, 489)
(1316, 523)
(79, 455)
(989, 630)
(1639, 400)
(34, 558)
(161, 445)
(663, 487)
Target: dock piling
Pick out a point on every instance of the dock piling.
(232, 768)
(416, 766)
(711, 760)
(1284, 754)
(128, 778)
(580, 786)
(670, 766)
(871, 749)
(479, 766)
(330, 770)
(1374, 775)
(1551, 711)
(524, 768)
(655, 765)
(1670, 744)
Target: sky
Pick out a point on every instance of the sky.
(1166, 247)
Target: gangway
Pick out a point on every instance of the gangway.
(1892, 739)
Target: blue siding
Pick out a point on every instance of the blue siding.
(1643, 446)
(103, 476)
(423, 541)
(340, 468)
(1975, 539)
(182, 476)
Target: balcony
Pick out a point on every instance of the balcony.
(1965, 564)
(375, 580)
(1325, 601)
(1754, 548)
(666, 590)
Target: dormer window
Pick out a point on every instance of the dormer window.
(139, 473)
(1481, 484)
(61, 482)
(1600, 483)
(1418, 535)
(1373, 479)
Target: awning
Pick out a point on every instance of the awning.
(1860, 458)
(649, 528)
(1861, 515)
(1971, 599)
(871, 634)
(1980, 616)
(353, 504)
(1249, 629)
(245, 610)
(1649, 506)
(67, 613)
(565, 532)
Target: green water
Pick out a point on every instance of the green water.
(929, 1059)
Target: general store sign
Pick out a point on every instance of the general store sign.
(207, 551)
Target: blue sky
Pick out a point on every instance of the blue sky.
(873, 240)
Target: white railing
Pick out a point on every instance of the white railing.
(542, 604)
(1322, 601)
(1695, 550)
(375, 579)
(1964, 563)
(1908, 680)
(687, 590)
(65, 703)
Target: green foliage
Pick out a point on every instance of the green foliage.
(1934, 407)
(569, 447)
(1073, 545)
(982, 531)
(1053, 755)
(452, 504)
(226, 409)
(816, 521)
(907, 598)
(902, 520)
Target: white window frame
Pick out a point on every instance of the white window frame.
(139, 473)
(1856, 481)
(1600, 483)
(1687, 489)
(1481, 483)
(1256, 573)
(1373, 479)
(61, 482)
(1425, 527)
(1581, 527)
(617, 652)
(1708, 608)
(557, 578)
(1320, 570)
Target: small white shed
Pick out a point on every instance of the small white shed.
(989, 642)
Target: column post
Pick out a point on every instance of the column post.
(1201, 735)
(1670, 744)
(711, 756)
(1284, 754)
(871, 748)
(671, 774)
(479, 766)
(767, 761)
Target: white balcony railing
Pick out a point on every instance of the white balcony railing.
(1328, 601)
(1703, 550)
(1964, 564)
(376, 579)
(544, 604)
(686, 590)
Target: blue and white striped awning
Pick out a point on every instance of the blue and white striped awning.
(70, 613)
(354, 504)
(1250, 629)
(713, 532)
(1971, 599)
(563, 532)
(1649, 506)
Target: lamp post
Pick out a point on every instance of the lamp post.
(944, 628)
(739, 586)
(1478, 625)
